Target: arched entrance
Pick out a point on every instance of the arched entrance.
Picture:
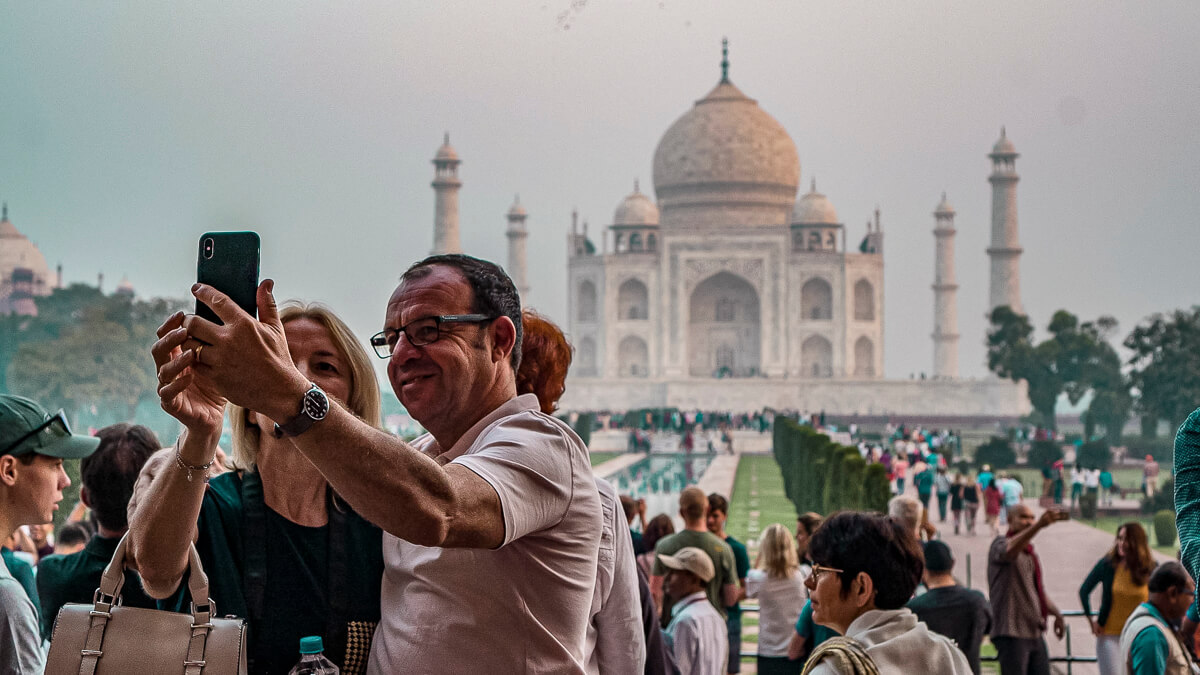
(724, 330)
(816, 357)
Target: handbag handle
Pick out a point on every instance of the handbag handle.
(114, 577)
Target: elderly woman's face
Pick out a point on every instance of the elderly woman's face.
(317, 357)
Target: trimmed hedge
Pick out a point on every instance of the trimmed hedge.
(820, 475)
(997, 452)
(1164, 528)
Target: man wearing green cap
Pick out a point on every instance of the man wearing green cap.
(33, 445)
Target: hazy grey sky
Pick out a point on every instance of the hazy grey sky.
(127, 129)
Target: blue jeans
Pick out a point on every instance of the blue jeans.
(734, 623)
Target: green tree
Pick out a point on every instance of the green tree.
(1074, 361)
(85, 350)
(1165, 366)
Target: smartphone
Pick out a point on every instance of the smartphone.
(228, 261)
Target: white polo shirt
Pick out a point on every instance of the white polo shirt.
(520, 608)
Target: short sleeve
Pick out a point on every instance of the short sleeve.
(804, 624)
(754, 581)
(741, 560)
(1187, 496)
(729, 566)
(527, 459)
(997, 551)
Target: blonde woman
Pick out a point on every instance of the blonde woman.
(279, 547)
(778, 584)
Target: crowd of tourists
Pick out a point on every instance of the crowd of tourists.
(488, 544)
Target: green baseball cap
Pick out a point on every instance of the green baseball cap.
(26, 427)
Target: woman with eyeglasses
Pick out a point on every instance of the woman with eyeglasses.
(866, 567)
(280, 548)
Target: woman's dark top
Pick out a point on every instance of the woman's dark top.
(294, 588)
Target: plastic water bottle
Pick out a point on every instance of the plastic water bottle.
(312, 658)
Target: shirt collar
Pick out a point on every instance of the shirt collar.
(510, 407)
(686, 601)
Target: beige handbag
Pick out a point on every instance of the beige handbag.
(105, 638)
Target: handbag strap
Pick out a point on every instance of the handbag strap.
(254, 575)
(109, 595)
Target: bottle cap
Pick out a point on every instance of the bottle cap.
(311, 645)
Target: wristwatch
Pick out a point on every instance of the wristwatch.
(313, 408)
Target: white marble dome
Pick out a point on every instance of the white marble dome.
(636, 209)
(1004, 146)
(446, 152)
(17, 252)
(814, 208)
(727, 151)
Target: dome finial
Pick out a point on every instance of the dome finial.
(814, 184)
(636, 187)
(4, 216)
(724, 59)
(1003, 133)
(446, 139)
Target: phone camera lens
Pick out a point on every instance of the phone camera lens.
(208, 248)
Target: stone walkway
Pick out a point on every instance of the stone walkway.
(1068, 551)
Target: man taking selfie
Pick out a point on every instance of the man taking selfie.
(491, 520)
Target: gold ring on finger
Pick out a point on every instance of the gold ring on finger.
(199, 348)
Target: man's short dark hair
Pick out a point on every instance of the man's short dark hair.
(938, 558)
(1168, 575)
(110, 472)
(72, 534)
(872, 543)
(718, 503)
(492, 291)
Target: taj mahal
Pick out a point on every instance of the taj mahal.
(727, 289)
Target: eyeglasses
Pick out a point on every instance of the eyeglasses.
(55, 426)
(818, 570)
(420, 332)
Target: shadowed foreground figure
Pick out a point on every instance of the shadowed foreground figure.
(866, 566)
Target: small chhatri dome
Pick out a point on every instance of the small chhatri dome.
(1004, 146)
(944, 207)
(446, 152)
(636, 209)
(727, 150)
(814, 208)
(125, 287)
(517, 211)
(7, 229)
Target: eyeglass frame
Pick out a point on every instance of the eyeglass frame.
(60, 416)
(818, 570)
(379, 339)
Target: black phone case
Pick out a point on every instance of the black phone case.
(232, 269)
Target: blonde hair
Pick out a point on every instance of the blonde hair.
(777, 552)
(364, 387)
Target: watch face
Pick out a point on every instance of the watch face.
(316, 405)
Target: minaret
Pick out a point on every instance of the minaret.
(1005, 250)
(945, 292)
(517, 268)
(445, 213)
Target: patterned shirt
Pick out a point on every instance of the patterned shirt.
(1187, 497)
(1016, 609)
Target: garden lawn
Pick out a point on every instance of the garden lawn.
(602, 457)
(758, 501)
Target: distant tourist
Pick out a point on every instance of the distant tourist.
(1020, 605)
(941, 487)
(108, 476)
(1122, 575)
(71, 538)
(659, 527)
(778, 583)
(1078, 476)
(722, 587)
(867, 567)
(697, 632)
(972, 496)
(806, 525)
(1150, 477)
(718, 514)
(961, 614)
(993, 505)
(1150, 644)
